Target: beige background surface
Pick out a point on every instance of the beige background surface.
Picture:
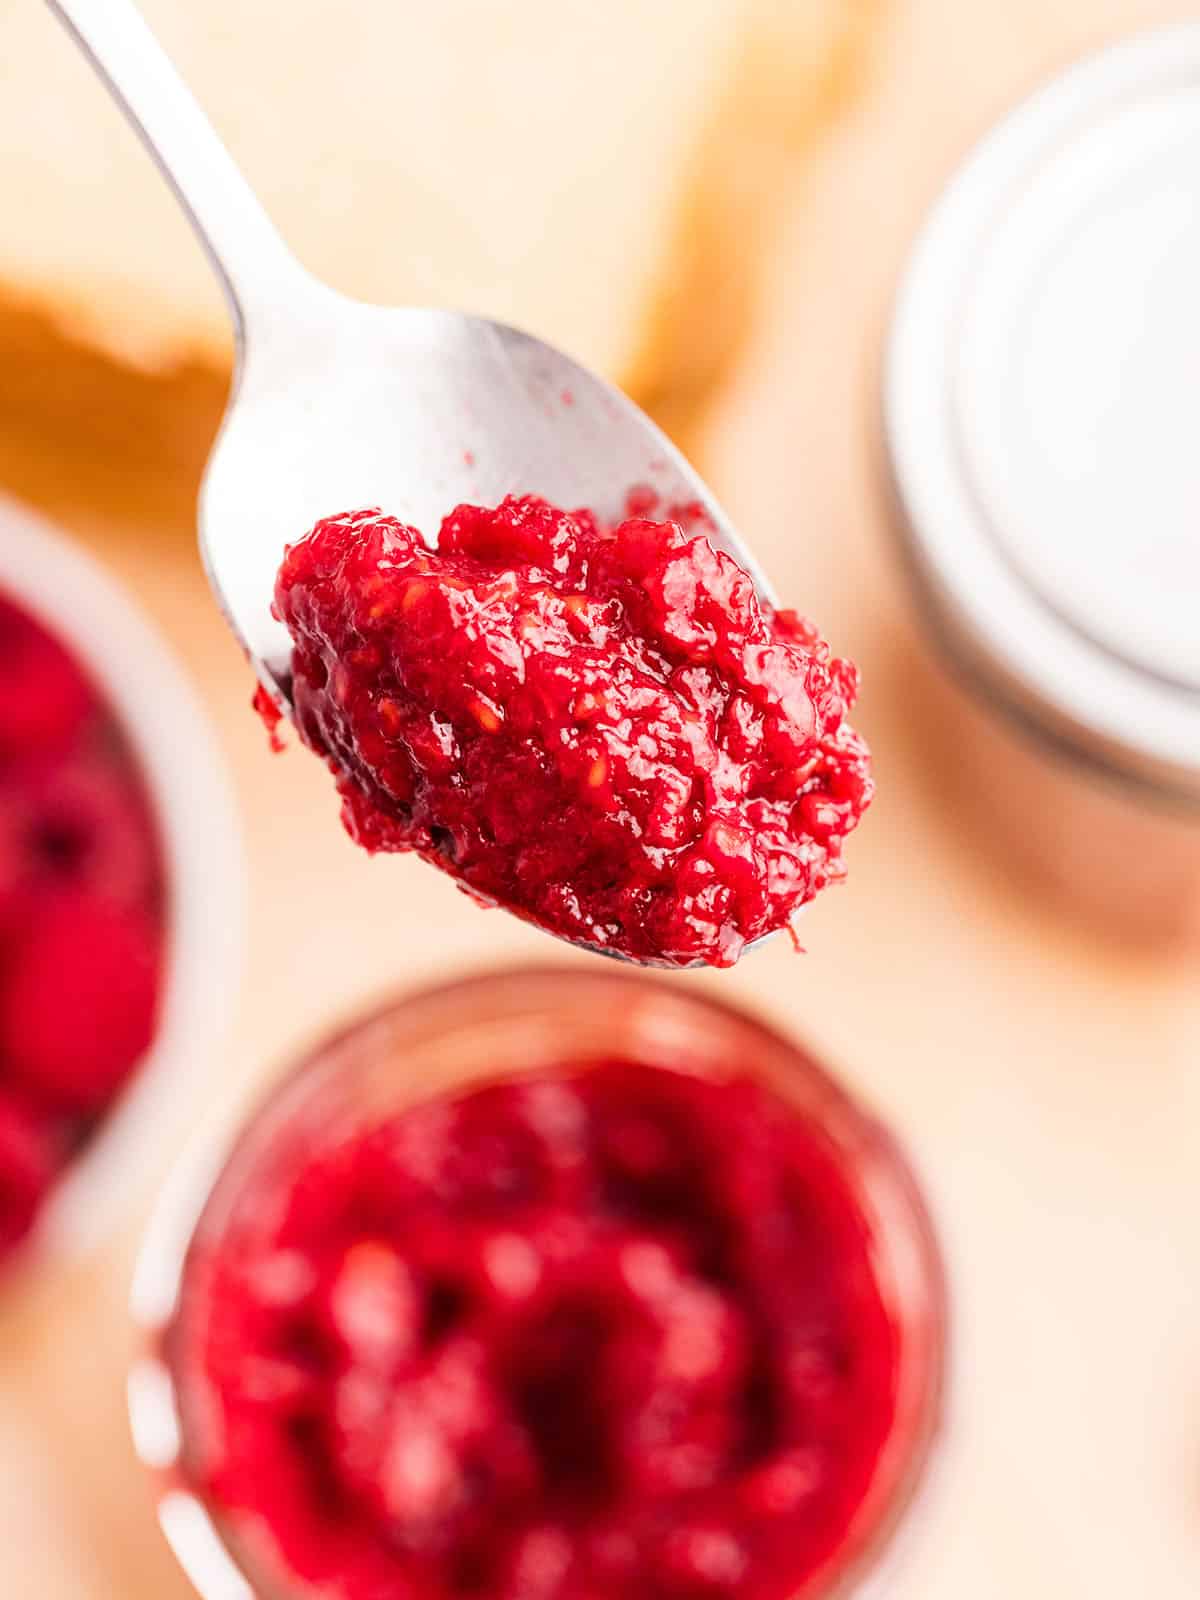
(1045, 1073)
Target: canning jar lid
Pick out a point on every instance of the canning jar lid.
(1042, 410)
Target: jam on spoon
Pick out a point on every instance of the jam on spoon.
(605, 731)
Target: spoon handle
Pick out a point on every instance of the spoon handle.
(254, 265)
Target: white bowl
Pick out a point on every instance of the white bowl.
(192, 800)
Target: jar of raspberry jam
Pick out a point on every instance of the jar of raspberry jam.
(541, 1285)
(1039, 398)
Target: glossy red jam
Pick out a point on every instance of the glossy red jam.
(81, 915)
(589, 1335)
(604, 731)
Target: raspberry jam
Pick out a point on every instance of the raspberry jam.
(592, 1330)
(81, 915)
(604, 731)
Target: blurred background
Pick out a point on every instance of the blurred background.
(711, 201)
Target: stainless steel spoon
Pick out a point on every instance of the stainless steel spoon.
(338, 405)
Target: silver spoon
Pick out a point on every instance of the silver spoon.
(338, 405)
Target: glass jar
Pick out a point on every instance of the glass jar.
(1038, 393)
(501, 1026)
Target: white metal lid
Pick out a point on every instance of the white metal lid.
(1042, 404)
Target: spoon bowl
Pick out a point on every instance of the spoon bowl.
(413, 411)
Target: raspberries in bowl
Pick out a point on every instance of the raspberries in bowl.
(82, 907)
(119, 886)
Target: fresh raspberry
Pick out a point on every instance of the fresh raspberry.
(27, 1169)
(85, 826)
(45, 697)
(80, 912)
(78, 1001)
